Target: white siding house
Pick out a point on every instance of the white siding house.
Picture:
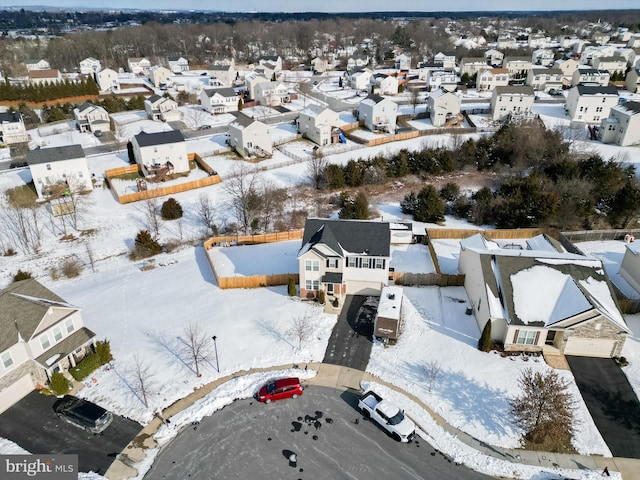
(162, 150)
(58, 170)
(162, 108)
(250, 137)
(219, 100)
(318, 124)
(12, 128)
(107, 80)
(622, 126)
(511, 102)
(272, 94)
(443, 105)
(90, 66)
(591, 104)
(91, 118)
(378, 113)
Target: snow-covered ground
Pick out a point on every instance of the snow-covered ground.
(143, 307)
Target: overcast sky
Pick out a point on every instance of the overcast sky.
(337, 5)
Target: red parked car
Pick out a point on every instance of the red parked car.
(279, 389)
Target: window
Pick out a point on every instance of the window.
(526, 337)
(312, 285)
(379, 263)
(330, 288)
(69, 325)
(48, 166)
(57, 333)
(332, 263)
(7, 359)
(351, 261)
(312, 265)
(44, 341)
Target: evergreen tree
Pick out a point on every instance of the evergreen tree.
(484, 344)
(361, 207)
(171, 209)
(430, 207)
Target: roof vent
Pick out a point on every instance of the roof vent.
(392, 296)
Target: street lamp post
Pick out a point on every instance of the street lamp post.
(215, 347)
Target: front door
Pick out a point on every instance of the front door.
(551, 336)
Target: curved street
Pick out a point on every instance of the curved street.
(323, 427)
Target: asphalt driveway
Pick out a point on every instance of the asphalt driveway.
(351, 339)
(611, 401)
(32, 424)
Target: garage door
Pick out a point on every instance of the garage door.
(363, 288)
(590, 347)
(20, 388)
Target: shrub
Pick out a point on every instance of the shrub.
(103, 349)
(21, 275)
(59, 383)
(86, 367)
(321, 297)
(71, 267)
(145, 245)
(336, 304)
(484, 344)
(450, 191)
(171, 209)
(291, 287)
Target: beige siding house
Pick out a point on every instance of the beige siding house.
(12, 128)
(490, 78)
(91, 118)
(591, 104)
(319, 124)
(162, 108)
(41, 334)
(443, 105)
(378, 114)
(162, 152)
(59, 170)
(539, 296)
(250, 138)
(511, 102)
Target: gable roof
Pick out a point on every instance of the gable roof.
(54, 154)
(52, 73)
(23, 304)
(154, 98)
(242, 121)
(159, 138)
(514, 90)
(596, 90)
(223, 91)
(10, 117)
(543, 285)
(347, 237)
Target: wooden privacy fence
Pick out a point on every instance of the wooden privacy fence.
(442, 233)
(437, 279)
(252, 281)
(212, 179)
(598, 235)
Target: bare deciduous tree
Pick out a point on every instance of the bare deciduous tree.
(432, 371)
(242, 187)
(152, 216)
(91, 257)
(316, 169)
(195, 344)
(301, 329)
(196, 118)
(141, 379)
(19, 226)
(205, 212)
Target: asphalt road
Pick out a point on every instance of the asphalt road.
(323, 427)
(611, 401)
(32, 424)
(350, 342)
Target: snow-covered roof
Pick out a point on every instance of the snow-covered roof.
(634, 247)
(390, 302)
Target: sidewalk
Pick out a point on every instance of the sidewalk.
(342, 378)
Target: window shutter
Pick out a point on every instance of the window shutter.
(327, 263)
(515, 336)
(535, 342)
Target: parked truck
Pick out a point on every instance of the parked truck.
(390, 417)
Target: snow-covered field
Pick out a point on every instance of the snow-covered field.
(144, 311)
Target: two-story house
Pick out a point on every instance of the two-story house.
(384, 84)
(442, 105)
(494, 57)
(511, 102)
(436, 79)
(344, 257)
(490, 78)
(319, 124)
(319, 65)
(165, 151)
(178, 64)
(159, 76)
(139, 65)
(447, 60)
(622, 126)
(567, 66)
(107, 80)
(90, 66)
(378, 113)
(162, 108)
(57, 170)
(219, 100)
(357, 61)
(590, 76)
(91, 118)
(359, 79)
(591, 104)
(272, 62)
(542, 56)
(272, 94)
(41, 334)
(613, 64)
(225, 74)
(544, 79)
(252, 80)
(403, 62)
(472, 65)
(12, 128)
(542, 296)
(249, 137)
(37, 64)
(517, 66)
(632, 82)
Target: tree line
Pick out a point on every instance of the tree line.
(47, 91)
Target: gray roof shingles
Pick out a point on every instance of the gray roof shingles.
(354, 236)
(55, 154)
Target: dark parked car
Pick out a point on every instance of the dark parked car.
(279, 389)
(83, 414)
